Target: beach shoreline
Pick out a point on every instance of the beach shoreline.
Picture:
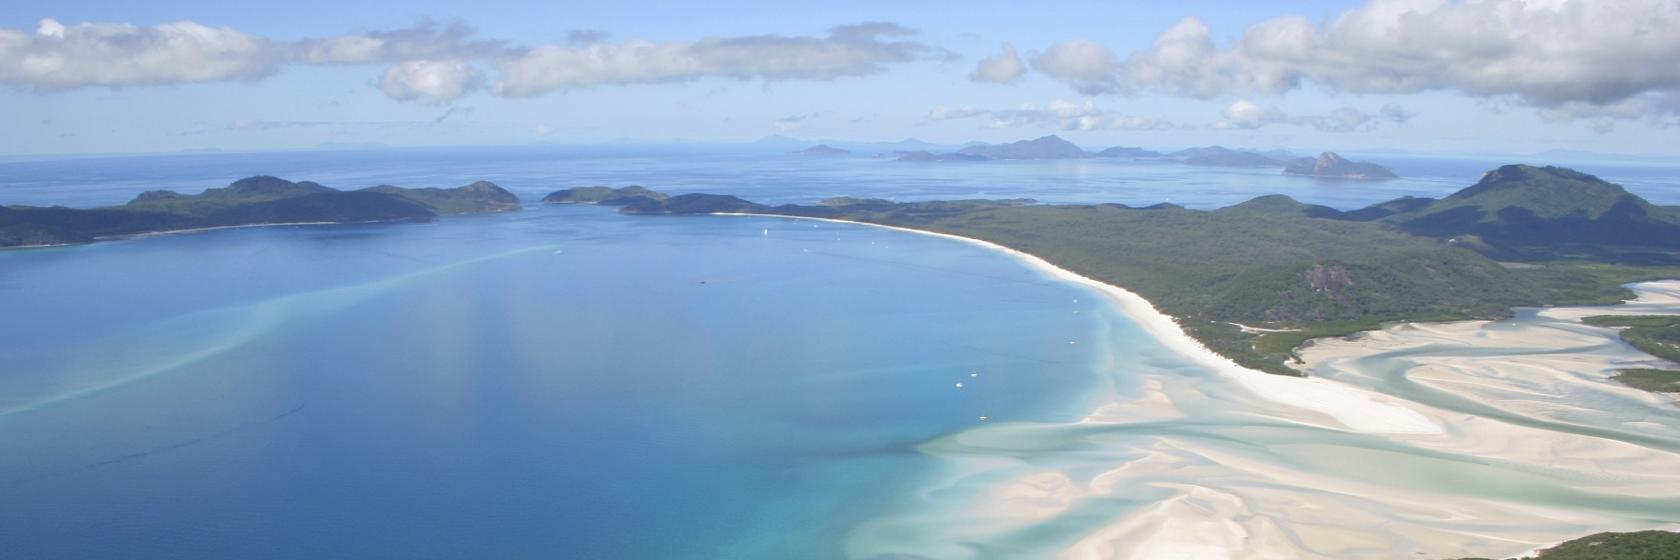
(1346, 407)
(1255, 507)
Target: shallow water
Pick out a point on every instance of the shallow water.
(568, 381)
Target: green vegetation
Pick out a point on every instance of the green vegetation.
(250, 201)
(1657, 335)
(605, 196)
(1657, 380)
(1525, 213)
(477, 198)
(1639, 545)
(1310, 271)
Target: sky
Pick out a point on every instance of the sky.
(1438, 76)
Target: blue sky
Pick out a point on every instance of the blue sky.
(1408, 74)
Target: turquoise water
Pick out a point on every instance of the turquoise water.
(559, 380)
(566, 382)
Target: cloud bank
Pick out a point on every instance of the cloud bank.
(436, 63)
(1245, 114)
(1564, 56)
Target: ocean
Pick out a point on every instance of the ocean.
(568, 382)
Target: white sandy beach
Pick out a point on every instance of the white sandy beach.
(1460, 439)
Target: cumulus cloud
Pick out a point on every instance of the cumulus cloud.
(1558, 55)
(436, 63)
(57, 57)
(1085, 66)
(1245, 114)
(430, 81)
(848, 50)
(1060, 114)
(1002, 68)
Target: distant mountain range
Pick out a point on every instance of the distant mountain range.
(1328, 165)
(251, 201)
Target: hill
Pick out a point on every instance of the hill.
(250, 201)
(1302, 270)
(1220, 156)
(1047, 147)
(605, 196)
(1330, 165)
(823, 150)
(477, 198)
(926, 156)
(1521, 212)
(1126, 152)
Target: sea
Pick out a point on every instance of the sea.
(561, 381)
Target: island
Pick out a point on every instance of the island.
(1254, 281)
(1220, 156)
(1046, 147)
(1329, 165)
(252, 201)
(1127, 152)
(604, 196)
(823, 150)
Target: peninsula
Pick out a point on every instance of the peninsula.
(1256, 280)
(252, 201)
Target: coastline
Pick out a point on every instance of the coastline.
(161, 233)
(1345, 407)
(1193, 488)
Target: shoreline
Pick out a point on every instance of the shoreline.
(161, 233)
(1348, 408)
(1232, 503)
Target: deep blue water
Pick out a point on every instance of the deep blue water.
(561, 382)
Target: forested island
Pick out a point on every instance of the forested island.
(251, 201)
(1521, 236)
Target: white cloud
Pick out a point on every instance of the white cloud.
(1002, 68)
(1245, 114)
(1085, 66)
(435, 63)
(1059, 114)
(425, 41)
(57, 57)
(430, 81)
(1183, 61)
(849, 50)
(1561, 54)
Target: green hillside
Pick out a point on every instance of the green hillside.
(250, 201)
(1521, 212)
(1274, 262)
